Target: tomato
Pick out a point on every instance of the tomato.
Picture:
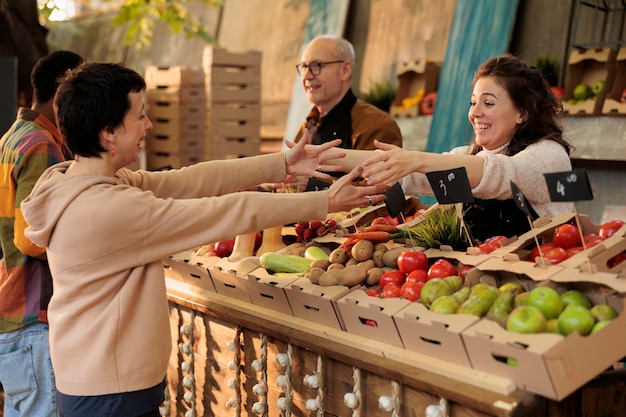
(544, 248)
(609, 228)
(566, 236)
(555, 255)
(392, 276)
(258, 239)
(410, 260)
(391, 291)
(224, 248)
(616, 260)
(592, 239)
(369, 322)
(496, 239)
(373, 292)
(417, 275)
(411, 290)
(488, 247)
(463, 270)
(442, 268)
(574, 250)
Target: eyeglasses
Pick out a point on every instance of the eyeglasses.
(314, 67)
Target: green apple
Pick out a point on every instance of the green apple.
(576, 318)
(547, 300)
(599, 326)
(582, 92)
(602, 312)
(552, 326)
(575, 297)
(526, 319)
(597, 87)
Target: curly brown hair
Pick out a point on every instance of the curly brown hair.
(531, 93)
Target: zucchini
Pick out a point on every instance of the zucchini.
(276, 262)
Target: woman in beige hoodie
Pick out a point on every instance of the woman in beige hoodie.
(106, 230)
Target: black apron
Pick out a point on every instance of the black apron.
(487, 218)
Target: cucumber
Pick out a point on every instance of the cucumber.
(276, 262)
(315, 253)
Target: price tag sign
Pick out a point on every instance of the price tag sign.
(569, 186)
(520, 200)
(396, 200)
(316, 185)
(451, 186)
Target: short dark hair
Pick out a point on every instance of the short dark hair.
(92, 98)
(47, 72)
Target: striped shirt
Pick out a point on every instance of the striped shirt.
(32, 144)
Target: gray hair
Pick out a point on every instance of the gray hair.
(343, 47)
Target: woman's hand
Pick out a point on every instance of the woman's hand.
(389, 166)
(308, 161)
(344, 196)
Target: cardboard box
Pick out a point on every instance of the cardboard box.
(180, 267)
(588, 67)
(176, 76)
(229, 278)
(615, 100)
(549, 364)
(316, 303)
(415, 79)
(371, 317)
(433, 334)
(267, 290)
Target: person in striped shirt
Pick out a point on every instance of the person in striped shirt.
(27, 149)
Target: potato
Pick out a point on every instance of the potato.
(373, 276)
(362, 250)
(381, 247)
(338, 256)
(390, 258)
(335, 266)
(314, 274)
(331, 277)
(351, 261)
(352, 275)
(321, 263)
(377, 257)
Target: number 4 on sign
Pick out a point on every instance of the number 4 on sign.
(570, 186)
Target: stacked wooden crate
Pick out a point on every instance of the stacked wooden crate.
(233, 97)
(175, 102)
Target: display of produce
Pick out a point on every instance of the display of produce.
(378, 277)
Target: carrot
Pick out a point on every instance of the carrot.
(371, 236)
(348, 243)
(380, 228)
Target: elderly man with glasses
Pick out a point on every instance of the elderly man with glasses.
(326, 73)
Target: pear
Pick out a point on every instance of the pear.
(448, 304)
(479, 301)
(514, 287)
(433, 289)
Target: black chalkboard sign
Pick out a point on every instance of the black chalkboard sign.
(569, 186)
(316, 185)
(520, 200)
(396, 200)
(451, 186)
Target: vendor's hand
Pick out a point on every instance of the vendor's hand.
(344, 196)
(308, 161)
(388, 166)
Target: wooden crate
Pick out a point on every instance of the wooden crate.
(158, 161)
(231, 147)
(184, 94)
(177, 143)
(175, 76)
